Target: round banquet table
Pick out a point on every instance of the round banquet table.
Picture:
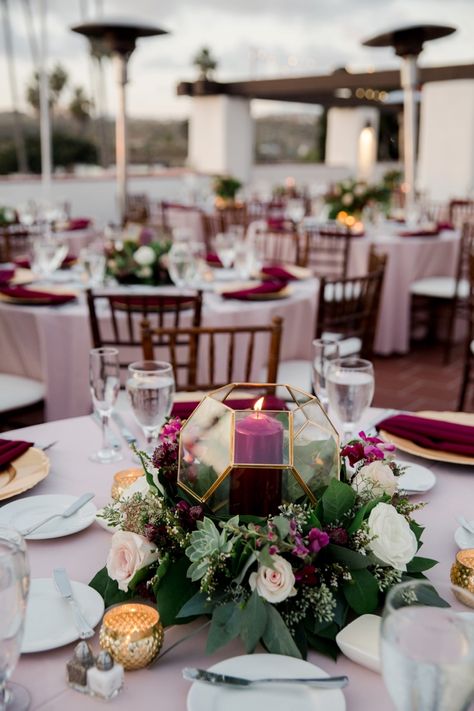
(52, 344)
(84, 553)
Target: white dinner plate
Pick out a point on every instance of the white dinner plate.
(49, 620)
(463, 538)
(24, 513)
(279, 697)
(416, 477)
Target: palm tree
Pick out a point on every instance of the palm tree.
(80, 107)
(205, 62)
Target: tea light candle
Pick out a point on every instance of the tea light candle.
(132, 633)
(123, 479)
(462, 571)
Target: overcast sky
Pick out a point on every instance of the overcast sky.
(250, 39)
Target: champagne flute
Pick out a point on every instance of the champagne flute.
(350, 385)
(150, 388)
(427, 646)
(324, 352)
(14, 586)
(104, 379)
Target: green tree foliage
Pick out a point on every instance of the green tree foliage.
(67, 151)
(80, 107)
(57, 80)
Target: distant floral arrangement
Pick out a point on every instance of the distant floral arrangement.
(130, 262)
(289, 581)
(8, 216)
(352, 196)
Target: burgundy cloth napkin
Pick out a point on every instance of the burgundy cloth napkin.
(11, 449)
(278, 272)
(277, 223)
(432, 434)
(267, 287)
(213, 259)
(184, 409)
(25, 263)
(6, 275)
(419, 233)
(78, 223)
(44, 298)
(327, 232)
(445, 226)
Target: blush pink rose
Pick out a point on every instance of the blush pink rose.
(128, 553)
(275, 585)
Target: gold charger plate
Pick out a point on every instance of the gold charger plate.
(282, 294)
(23, 473)
(405, 445)
(39, 301)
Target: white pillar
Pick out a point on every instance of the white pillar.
(221, 136)
(344, 133)
(45, 125)
(446, 155)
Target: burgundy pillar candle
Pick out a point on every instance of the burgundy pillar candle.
(258, 440)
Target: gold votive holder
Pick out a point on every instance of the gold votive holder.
(462, 573)
(123, 479)
(132, 634)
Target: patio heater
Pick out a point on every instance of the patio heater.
(408, 43)
(119, 38)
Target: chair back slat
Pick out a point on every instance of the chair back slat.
(326, 251)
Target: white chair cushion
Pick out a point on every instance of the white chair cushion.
(347, 346)
(338, 291)
(472, 346)
(17, 391)
(440, 288)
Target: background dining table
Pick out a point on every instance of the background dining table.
(84, 553)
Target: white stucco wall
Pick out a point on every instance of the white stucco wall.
(343, 132)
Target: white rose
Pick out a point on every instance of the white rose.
(394, 542)
(274, 585)
(128, 553)
(144, 256)
(376, 479)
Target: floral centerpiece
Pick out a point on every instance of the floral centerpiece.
(350, 197)
(8, 216)
(130, 262)
(225, 189)
(289, 581)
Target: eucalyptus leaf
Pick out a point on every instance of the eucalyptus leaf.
(254, 621)
(276, 637)
(362, 592)
(196, 606)
(419, 564)
(225, 626)
(173, 591)
(264, 558)
(353, 559)
(282, 525)
(337, 500)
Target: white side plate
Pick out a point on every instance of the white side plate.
(359, 641)
(49, 622)
(24, 513)
(279, 697)
(463, 538)
(416, 477)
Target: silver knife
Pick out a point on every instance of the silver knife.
(329, 682)
(64, 587)
(124, 431)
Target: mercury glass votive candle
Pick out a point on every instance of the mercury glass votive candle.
(123, 479)
(462, 570)
(132, 634)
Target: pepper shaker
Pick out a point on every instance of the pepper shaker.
(78, 666)
(105, 679)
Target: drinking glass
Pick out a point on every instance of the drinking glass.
(225, 243)
(324, 352)
(93, 264)
(350, 386)
(47, 254)
(14, 586)
(104, 379)
(295, 210)
(427, 646)
(150, 388)
(181, 264)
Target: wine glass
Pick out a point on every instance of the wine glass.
(181, 264)
(427, 646)
(324, 352)
(104, 379)
(150, 388)
(225, 248)
(350, 386)
(295, 210)
(14, 587)
(47, 254)
(93, 264)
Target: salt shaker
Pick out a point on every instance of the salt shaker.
(78, 666)
(105, 679)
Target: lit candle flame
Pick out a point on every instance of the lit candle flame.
(258, 406)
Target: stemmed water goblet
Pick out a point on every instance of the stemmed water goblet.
(427, 646)
(14, 587)
(104, 379)
(225, 243)
(325, 351)
(150, 388)
(350, 386)
(47, 254)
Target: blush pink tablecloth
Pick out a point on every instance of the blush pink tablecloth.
(85, 552)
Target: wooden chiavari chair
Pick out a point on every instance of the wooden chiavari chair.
(468, 371)
(326, 251)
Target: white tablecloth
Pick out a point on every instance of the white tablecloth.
(84, 553)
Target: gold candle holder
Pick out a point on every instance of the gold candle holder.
(132, 634)
(124, 479)
(462, 573)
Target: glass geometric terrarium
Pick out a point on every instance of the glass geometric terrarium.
(250, 461)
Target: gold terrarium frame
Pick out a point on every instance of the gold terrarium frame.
(224, 393)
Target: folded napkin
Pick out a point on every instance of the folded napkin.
(25, 263)
(282, 273)
(432, 434)
(78, 223)
(213, 259)
(445, 226)
(277, 223)
(138, 302)
(42, 298)
(11, 449)
(272, 286)
(420, 233)
(184, 409)
(6, 275)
